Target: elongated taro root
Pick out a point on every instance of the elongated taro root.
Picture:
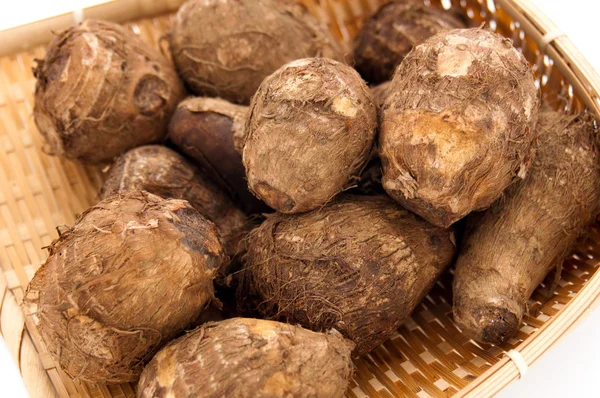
(509, 250)
(250, 358)
(388, 36)
(163, 172)
(359, 265)
(210, 131)
(226, 48)
(458, 124)
(132, 273)
(309, 134)
(101, 91)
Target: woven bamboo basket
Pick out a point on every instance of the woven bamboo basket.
(428, 357)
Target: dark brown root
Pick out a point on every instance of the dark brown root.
(359, 265)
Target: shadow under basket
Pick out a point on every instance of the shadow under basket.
(429, 356)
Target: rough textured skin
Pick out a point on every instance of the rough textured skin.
(225, 48)
(163, 172)
(101, 91)
(132, 273)
(380, 92)
(388, 36)
(509, 250)
(309, 134)
(208, 130)
(250, 358)
(359, 265)
(458, 124)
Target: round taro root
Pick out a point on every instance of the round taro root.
(250, 358)
(309, 134)
(359, 265)
(163, 172)
(210, 131)
(101, 91)
(388, 36)
(132, 273)
(226, 48)
(511, 248)
(458, 124)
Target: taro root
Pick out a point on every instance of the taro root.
(250, 358)
(226, 48)
(388, 36)
(132, 273)
(210, 131)
(163, 172)
(510, 249)
(359, 265)
(101, 91)
(380, 92)
(309, 134)
(458, 124)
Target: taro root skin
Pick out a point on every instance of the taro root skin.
(163, 172)
(458, 124)
(100, 91)
(250, 358)
(210, 131)
(510, 249)
(310, 132)
(359, 265)
(131, 274)
(388, 36)
(226, 48)
(380, 92)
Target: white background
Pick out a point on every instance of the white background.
(571, 369)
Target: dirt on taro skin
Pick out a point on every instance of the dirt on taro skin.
(359, 265)
(101, 86)
(131, 274)
(511, 247)
(250, 358)
(311, 111)
(226, 48)
(458, 124)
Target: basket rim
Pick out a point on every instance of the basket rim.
(571, 63)
(505, 371)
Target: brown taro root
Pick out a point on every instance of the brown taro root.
(163, 172)
(309, 134)
(359, 265)
(210, 131)
(388, 36)
(458, 124)
(225, 48)
(132, 273)
(511, 248)
(250, 358)
(380, 92)
(101, 91)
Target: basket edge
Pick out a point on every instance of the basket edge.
(500, 375)
(575, 68)
(24, 37)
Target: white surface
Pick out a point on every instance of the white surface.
(571, 369)
(15, 13)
